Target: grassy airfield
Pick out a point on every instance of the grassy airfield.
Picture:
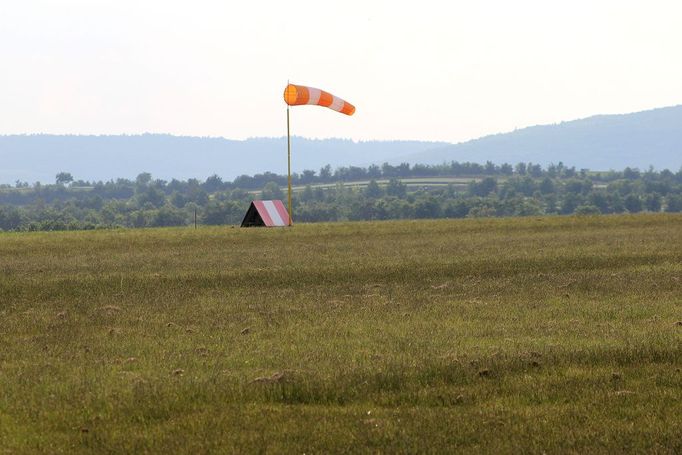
(499, 335)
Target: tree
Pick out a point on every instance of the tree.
(222, 212)
(678, 176)
(616, 203)
(653, 203)
(403, 169)
(633, 203)
(525, 185)
(673, 203)
(535, 170)
(10, 218)
(506, 169)
(63, 178)
(307, 176)
(271, 190)
(551, 204)
(457, 208)
(427, 207)
(631, 174)
(307, 195)
(552, 170)
(599, 200)
(396, 188)
(547, 186)
(484, 187)
(151, 197)
(587, 209)
(326, 173)
(373, 171)
(570, 203)
(144, 202)
(577, 186)
(373, 190)
(389, 171)
(490, 168)
(213, 183)
(168, 216)
(143, 180)
(569, 172)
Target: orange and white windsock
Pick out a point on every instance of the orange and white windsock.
(297, 95)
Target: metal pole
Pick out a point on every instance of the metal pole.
(289, 165)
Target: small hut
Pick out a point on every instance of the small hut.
(266, 214)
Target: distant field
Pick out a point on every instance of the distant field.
(559, 334)
(412, 184)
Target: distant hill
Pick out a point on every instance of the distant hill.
(34, 158)
(601, 142)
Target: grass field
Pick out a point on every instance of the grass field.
(503, 336)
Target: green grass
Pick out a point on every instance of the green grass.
(505, 335)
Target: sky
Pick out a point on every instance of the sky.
(423, 70)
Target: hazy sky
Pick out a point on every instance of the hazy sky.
(432, 70)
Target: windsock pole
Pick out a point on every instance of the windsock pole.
(289, 164)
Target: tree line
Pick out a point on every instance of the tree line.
(524, 189)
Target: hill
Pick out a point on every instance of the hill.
(601, 142)
(598, 143)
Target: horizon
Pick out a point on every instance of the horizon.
(150, 133)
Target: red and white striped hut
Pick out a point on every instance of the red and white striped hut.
(266, 214)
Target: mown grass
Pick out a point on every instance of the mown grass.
(507, 335)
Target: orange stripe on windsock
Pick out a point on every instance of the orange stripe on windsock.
(348, 109)
(297, 95)
(325, 99)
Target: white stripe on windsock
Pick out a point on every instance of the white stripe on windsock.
(337, 104)
(314, 95)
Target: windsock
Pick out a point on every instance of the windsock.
(297, 95)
